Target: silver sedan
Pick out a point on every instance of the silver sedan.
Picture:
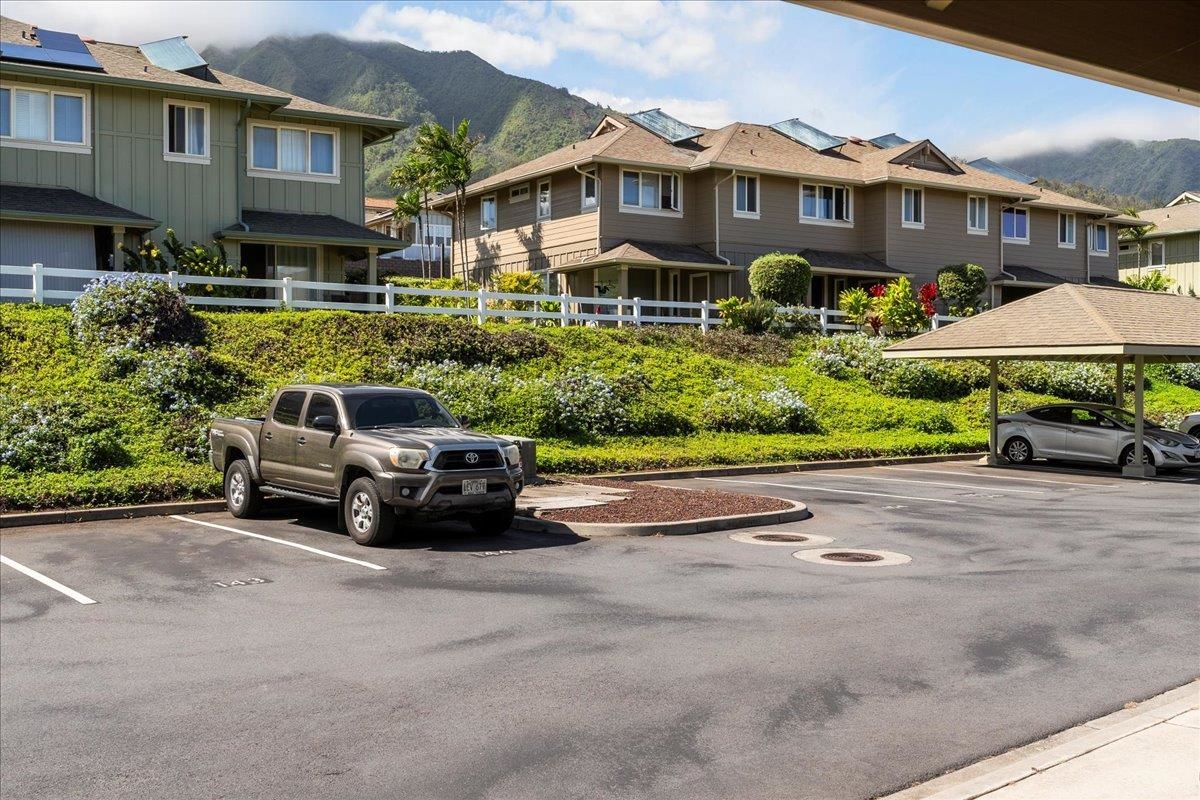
(1091, 432)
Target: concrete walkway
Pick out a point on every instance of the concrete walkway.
(1147, 751)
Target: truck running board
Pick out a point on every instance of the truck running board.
(300, 494)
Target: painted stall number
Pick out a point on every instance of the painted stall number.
(486, 553)
(246, 582)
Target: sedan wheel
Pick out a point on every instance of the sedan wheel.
(1018, 451)
(1127, 456)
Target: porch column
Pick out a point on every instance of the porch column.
(1119, 389)
(622, 289)
(372, 266)
(1137, 469)
(118, 255)
(993, 412)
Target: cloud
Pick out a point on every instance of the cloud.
(1080, 131)
(434, 29)
(204, 22)
(706, 113)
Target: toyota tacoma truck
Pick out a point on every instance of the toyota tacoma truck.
(377, 453)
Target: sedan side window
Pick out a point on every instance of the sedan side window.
(319, 405)
(1085, 417)
(287, 409)
(1060, 415)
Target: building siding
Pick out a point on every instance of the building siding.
(618, 226)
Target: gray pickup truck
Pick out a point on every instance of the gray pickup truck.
(375, 452)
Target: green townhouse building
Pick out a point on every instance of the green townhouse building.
(104, 145)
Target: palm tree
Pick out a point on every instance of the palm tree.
(450, 152)
(408, 206)
(1136, 235)
(415, 177)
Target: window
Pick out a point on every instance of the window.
(745, 196)
(487, 213)
(1014, 225)
(913, 211)
(518, 194)
(1066, 230)
(1098, 239)
(293, 152)
(319, 405)
(977, 218)
(44, 119)
(287, 409)
(651, 191)
(1158, 254)
(543, 200)
(825, 203)
(1059, 414)
(185, 131)
(590, 190)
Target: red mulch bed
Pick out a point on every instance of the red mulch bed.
(646, 502)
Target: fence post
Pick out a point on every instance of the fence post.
(637, 312)
(389, 298)
(37, 282)
(481, 305)
(934, 322)
(704, 320)
(564, 318)
(173, 279)
(287, 292)
(824, 319)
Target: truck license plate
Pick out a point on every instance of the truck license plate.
(475, 486)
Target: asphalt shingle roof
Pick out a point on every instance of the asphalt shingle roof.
(1183, 218)
(49, 201)
(310, 226)
(856, 262)
(656, 251)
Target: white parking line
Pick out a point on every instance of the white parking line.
(347, 559)
(960, 473)
(53, 584)
(939, 483)
(835, 491)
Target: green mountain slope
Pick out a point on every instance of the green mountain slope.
(519, 118)
(1153, 172)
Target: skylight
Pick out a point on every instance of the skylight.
(174, 54)
(664, 125)
(888, 140)
(807, 135)
(988, 165)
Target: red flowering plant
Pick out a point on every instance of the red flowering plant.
(877, 290)
(927, 294)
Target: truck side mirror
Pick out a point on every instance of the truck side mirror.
(464, 422)
(325, 422)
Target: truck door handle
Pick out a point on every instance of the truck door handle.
(301, 440)
(268, 436)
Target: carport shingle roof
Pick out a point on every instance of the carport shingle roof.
(52, 202)
(1071, 322)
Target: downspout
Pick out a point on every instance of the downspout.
(717, 215)
(237, 168)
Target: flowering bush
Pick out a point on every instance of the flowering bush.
(182, 379)
(1186, 374)
(927, 294)
(190, 259)
(132, 311)
(54, 437)
(932, 380)
(468, 391)
(1081, 382)
(778, 410)
(578, 403)
(845, 355)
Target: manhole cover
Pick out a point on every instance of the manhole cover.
(780, 537)
(851, 557)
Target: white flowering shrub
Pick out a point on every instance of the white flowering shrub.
(1070, 381)
(132, 311)
(1185, 374)
(55, 437)
(578, 403)
(467, 391)
(845, 355)
(183, 379)
(778, 410)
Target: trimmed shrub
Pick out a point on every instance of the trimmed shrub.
(962, 285)
(133, 311)
(928, 380)
(782, 278)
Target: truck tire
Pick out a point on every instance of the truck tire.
(367, 519)
(242, 497)
(494, 523)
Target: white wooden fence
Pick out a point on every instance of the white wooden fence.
(31, 285)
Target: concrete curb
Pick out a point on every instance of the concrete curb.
(790, 466)
(60, 517)
(798, 511)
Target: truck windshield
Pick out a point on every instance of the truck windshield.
(399, 411)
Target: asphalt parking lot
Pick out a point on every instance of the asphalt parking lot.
(291, 663)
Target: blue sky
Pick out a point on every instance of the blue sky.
(706, 62)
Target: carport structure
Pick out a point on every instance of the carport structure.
(1072, 322)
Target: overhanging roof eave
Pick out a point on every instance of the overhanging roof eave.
(1097, 352)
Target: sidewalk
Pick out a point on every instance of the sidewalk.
(1147, 751)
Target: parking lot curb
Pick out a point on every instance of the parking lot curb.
(792, 466)
(61, 516)
(798, 511)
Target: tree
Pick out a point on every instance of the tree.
(450, 153)
(408, 206)
(415, 178)
(780, 277)
(961, 285)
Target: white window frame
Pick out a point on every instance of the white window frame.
(186, 157)
(278, 174)
(745, 213)
(518, 194)
(907, 223)
(1012, 240)
(537, 211)
(495, 213)
(1067, 245)
(1161, 244)
(676, 196)
(584, 205)
(981, 201)
(834, 222)
(48, 144)
(1092, 239)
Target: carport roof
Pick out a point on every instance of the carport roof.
(1071, 322)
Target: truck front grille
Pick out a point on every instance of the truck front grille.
(460, 459)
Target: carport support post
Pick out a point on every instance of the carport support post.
(1137, 469)
(1119, 391)
(993, 412)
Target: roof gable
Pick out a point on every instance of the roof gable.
(926, 155)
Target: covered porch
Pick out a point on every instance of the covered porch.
(1015, 282)
(834, 273)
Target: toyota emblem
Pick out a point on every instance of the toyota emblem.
(472, 458)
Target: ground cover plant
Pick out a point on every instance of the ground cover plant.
(109, 403)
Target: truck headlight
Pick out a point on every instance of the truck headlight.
(406, 458)
(512, 454)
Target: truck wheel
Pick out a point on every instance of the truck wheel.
(494, 523)
(242, 497)
(368, 520)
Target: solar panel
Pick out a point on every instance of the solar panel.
(48, 56)
(174, 54)
(889, 140)
(988, 165)
(57, 40)
(664, 125)
(807, 135)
